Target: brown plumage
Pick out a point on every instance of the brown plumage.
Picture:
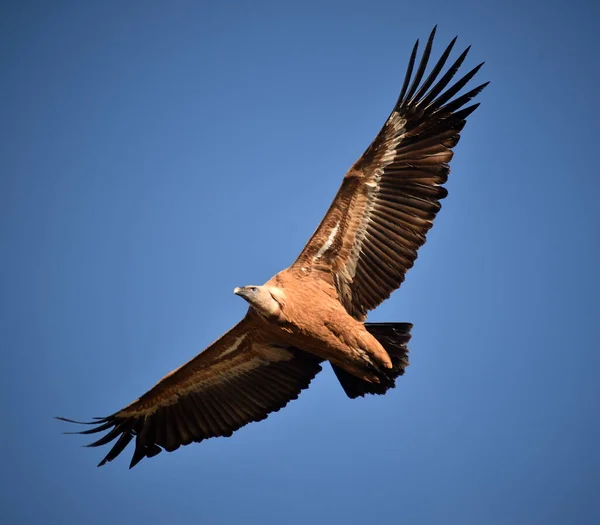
(315, 310)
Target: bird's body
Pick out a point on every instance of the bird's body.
(316, 310)
(312, 318)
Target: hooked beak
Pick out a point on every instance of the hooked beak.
(238, 291)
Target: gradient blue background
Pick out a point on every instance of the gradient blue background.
(156, 154)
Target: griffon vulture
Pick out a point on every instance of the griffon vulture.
(315, 310)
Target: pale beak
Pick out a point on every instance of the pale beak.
(237, 290)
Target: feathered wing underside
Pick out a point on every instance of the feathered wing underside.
(388, 200)
(238, 379)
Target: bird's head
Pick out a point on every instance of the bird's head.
(262, 298)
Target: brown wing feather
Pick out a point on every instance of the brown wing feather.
(388, 200)
(238, 379)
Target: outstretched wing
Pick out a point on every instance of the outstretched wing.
(238, 379)
(388, 200)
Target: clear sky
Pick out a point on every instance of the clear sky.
(153, 155)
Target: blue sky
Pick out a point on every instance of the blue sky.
(155, 155)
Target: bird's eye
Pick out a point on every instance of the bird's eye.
(253, 288)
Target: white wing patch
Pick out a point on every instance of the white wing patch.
(328, 242)
(272, 353)
(349, 271)
(234, 346)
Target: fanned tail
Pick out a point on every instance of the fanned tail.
(394, 338)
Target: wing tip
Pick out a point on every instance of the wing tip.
(97, 421)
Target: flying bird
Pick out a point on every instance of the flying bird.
(316, 310)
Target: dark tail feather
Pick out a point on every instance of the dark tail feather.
(394, 338)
